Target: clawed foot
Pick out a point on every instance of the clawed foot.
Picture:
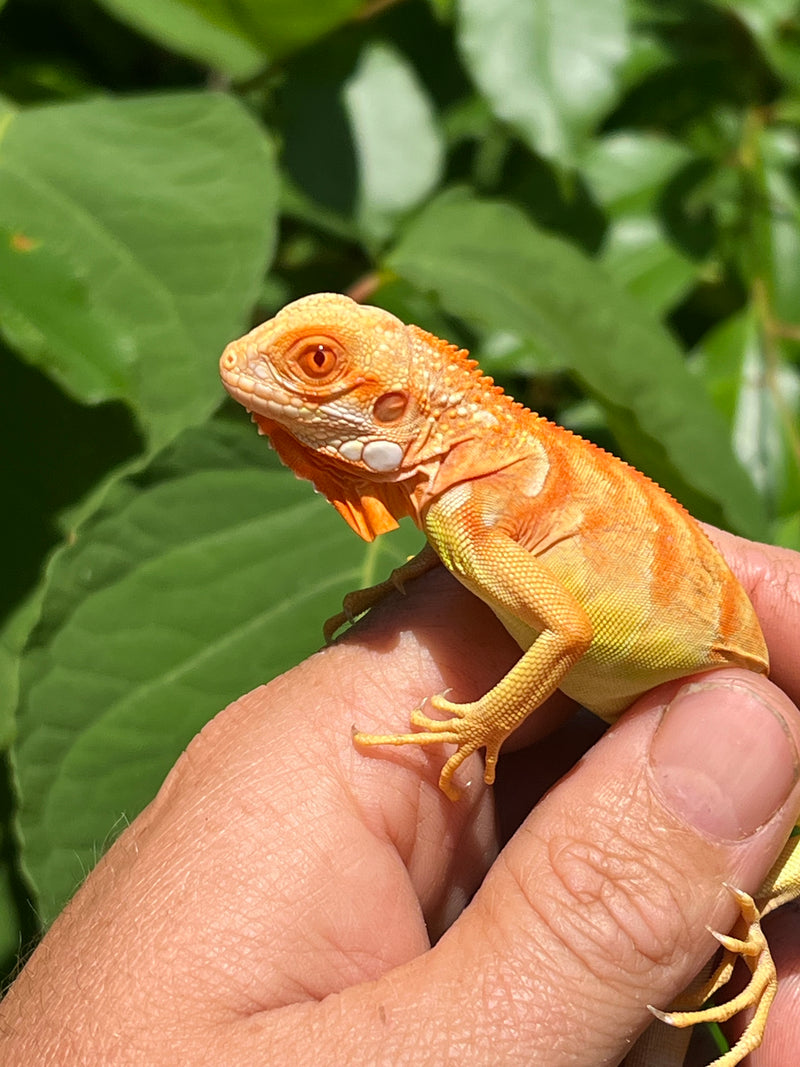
(467, 728)
(355, 604)
(759, 993)
(361, 600)
(349, 613)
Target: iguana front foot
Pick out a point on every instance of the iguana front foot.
(361, 600)
(470, 727)
(758, 994)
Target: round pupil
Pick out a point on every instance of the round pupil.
(319, 356)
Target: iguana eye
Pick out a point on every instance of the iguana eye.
(317, 359)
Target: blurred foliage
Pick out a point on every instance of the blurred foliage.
(600, 198)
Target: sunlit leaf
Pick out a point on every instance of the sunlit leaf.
(151, 257)
(399, 150)
(549, 67)
(628, 173)
(760, 396)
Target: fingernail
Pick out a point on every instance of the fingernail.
(722, 758)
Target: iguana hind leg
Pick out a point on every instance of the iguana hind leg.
(781, 885)
(759, 993)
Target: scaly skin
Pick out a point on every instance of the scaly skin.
(582, 558)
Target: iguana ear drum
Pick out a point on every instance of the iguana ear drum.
(390, 406)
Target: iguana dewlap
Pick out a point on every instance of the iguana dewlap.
(607, 583)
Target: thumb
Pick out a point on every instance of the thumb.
(600, 903)
(723, 759)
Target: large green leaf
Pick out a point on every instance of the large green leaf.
(200, 579)
(13, 635)
(549, 67)
(282, 26)
(490, 265)
(627, 171)
(239, 37)
(134, 236)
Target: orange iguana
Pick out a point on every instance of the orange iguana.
(387, 420)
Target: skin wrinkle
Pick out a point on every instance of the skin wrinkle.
(316, 845)
(571, 856)
(606, 916)
(498, 990)
(588, 942)
(654, 946)
(531, 980)
(526, 973)
(765, 577)
(574, 989)
(787, 676)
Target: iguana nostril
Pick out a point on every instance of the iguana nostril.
(230, 359)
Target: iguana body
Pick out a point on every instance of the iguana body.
(605, 582)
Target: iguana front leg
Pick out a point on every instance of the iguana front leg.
(516, 585)
(361, 600)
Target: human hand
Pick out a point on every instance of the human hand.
(276, 901)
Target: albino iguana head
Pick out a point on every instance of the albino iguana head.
(358, 402)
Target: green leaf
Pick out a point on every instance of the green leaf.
(284, 26)
(8, 691)
(206, 30)
(759, 395)
(786, 532)
(238, 37)
(169, 605)
(628, 173)
(10, 929)
(124, 279)
(399, 149)
(13, 636)
(72, 337)
(783, 227)
(548, 67)
(763, 17)
(638, 255)
(491, 266)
